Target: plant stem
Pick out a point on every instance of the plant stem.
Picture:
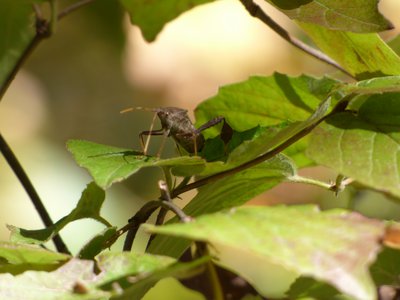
(32, 45)
(134, 223)
(300, 179)
(141, 217)
(43, 31)
(53, 17)
(30, 190)
(256, 11)
(218, 293)
(73, 7)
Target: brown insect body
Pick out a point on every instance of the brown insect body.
(177, 123)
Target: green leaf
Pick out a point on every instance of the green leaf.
(81, 279)
(88, 207)
(362, 55)
(116, 266)
(59, 284)
(293, 238)
(385, 270)
(361, 16)
(228, 192)
(107, 164)
(309, 289)
(152, 16)
(17, 258)
(16, 32)
(376, 85)
(96, 244)
(363, 146)
(265, 101)
(178, 270)
(394, 43)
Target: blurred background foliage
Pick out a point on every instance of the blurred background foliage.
(76, 83)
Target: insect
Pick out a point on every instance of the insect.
(175, 122)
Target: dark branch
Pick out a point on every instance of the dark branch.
(30, 190)
(73, 7)
(256, 11)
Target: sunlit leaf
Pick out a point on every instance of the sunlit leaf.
(17, 258)
(293, 238)
(363, 146)
(265, 101)
(117, 265)
(108, 165)
(362, 55)
(358, 15)
(377, 85)
(88, 207)
(59, 284)
(80, 279)
(228, 192)
(178, 270)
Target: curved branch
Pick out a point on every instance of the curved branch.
(30, 190)
(256, 11)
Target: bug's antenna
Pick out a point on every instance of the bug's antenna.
(129, 109)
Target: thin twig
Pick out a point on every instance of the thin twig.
(73, 7)
(256, 11)
(30, 190)
(32, 45)
(134, 223)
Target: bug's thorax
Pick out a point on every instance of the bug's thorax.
(176, 120)
(181, 128)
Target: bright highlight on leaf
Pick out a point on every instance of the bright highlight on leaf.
(362, 55)
(333, 246)
(360, 16)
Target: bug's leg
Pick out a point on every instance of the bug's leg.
(148, 132)
(195, 143)
(146, 146)
(165, 135)
(210, 123)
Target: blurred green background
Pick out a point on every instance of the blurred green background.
(76, 83)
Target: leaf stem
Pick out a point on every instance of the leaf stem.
(301, 179)
(211, 272)
(256, 11)
(30, 190)
(53, 16)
